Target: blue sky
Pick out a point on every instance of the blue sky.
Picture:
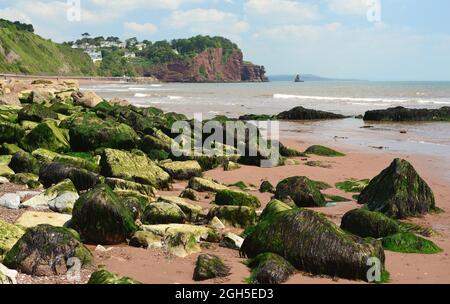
(403, 40)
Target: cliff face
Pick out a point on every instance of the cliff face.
(212, 65)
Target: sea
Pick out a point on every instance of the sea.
(351, 98)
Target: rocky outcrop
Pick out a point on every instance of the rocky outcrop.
(398, 192)
(209, 267)
(404, 114)
(270, 268)
(301, 190)
(365, 223)
(301, 113)
(212, 65)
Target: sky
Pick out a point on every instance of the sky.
(356, 39)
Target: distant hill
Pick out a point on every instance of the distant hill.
(23, 52)
(305, 77)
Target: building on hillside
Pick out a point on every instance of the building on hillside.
(129, 55)
(140, 46)
(110, 44)
(95, 56)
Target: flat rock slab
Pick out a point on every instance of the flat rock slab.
(10, 201)
(32, 219)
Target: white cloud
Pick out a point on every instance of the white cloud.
(350, 7)
(283, 9)
(207, 21)
(148, 4)
(14, 14)
(144, 28)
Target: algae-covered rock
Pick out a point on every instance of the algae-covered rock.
(205, 185)
(183, 170)
(88, 132)
(46, 250)
(231, 166)
(323, 151)
(134, 167)
(86, 99)
(79, 162)
(145, 239)
(9, 149)
(163, 213)
(24, 162)
(234, 216)
(190, 194)
(101, 218)
(47, 136)
(6, 171)
(182, 244)
(407, 242)
(270, 268)
(272, 209)
(311, 243)
(301, 190)
(118, 184)
(10, 132)
(301, 113)
(29, 179)
(210, 266)
(157, 141)
(37, 113)
(192, 211)
(54, 173)
(201, 233)
(365, 223)
(104, 277)
(353, 185)
(236, 198)
(9, 235)
(59, 198)
(44, 155)
(266, 187)
(398, 192)
(232, 241)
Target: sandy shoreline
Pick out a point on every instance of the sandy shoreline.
(404, 268)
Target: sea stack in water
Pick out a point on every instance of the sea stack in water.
(300, 113)
(404, 114)
(398, 192)
(311, 243)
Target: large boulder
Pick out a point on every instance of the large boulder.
(404, 114)
(157, 141)
(134, 167)
(88, 132)
(201, 233)
(365, 223)
(312, 243)
(10, 132)
(86, 99)
(205, 185)
(236, 198)
(210, 267)
(10, 201)
(182, 170)
(398, 192)
(37, 113)
(234, 216)
(9, 235)
(163, 213)
(46, 250)
(272, 209)
(190, 210)
(121, 185)
(145, 239)
(270, 268)
(303, 191)
(101, 218)
(104, 277)
(300, 113)
(54, 173)
(47, 136)
(24, 162)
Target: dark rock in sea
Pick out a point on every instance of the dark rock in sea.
(270, 268)
(54, 173)
(300, 113)
(365, 223)
(104, 277)
(404, 114)
(46, 250)
(256, 117)
(398, 192)
(301, 190)
(311, 243)
(210, 266)
(23, 162)
(102, 218)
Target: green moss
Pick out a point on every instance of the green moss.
(103, 277)
(47, 136)
(410, 243)
(417, 229)
(336, 198)
(266, 187)
(9, 235)
(5, 160)
(29, 179)
(323, 151)
(205, 185)
(163, 213)
(9, 149)
(240, 184)
(301, 190)
(209, 267)
(234, 216)
(269, 268)
(10, 133)
(158, 154)
(236, 198)
(365, 223)
(353, 185)
(36, 113)
(273, 209)
(321, 185)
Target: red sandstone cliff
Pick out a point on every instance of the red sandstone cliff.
(212, 65)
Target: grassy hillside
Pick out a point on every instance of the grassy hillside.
(24, 52)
